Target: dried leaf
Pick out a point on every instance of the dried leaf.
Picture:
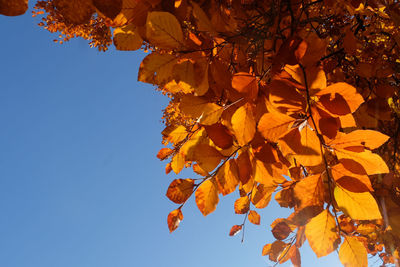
(173, 219)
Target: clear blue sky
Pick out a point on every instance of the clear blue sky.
(80, 185)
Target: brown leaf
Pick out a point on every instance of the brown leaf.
(242, 205)
(110, 8)
(14, 7)
(174, 218)
(180, 190)
(235, 230)
(254, 217)
(281, 230)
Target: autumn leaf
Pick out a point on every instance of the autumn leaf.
(352, 253)
(309, 191)
(273, 125)
(242, 205)
(254, 217)
(156, 68)
(173, 219)
(321, 234)
(127, 38)
(180, 190)
(164, 30)
(207, 196)
(13, 8)
(227, 177)
(261, 195)
(220, 135)
(243, 124)
(359, 206)
(207, 157)
(246, 84)
(110, 8)
(178, 162)
(235, 230)
(74, 11)
(201, 109)
(371, 162)
(367, 138)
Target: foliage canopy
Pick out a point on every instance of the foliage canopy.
(293, 99)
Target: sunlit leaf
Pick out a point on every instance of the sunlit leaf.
(173, 219)
(127, 38)
(243, 124)
(352, 253)
(254, 217)
(359, 206)
(180, 190)
(273, 125)
(321, 233)
(207, 196)
(242, 205)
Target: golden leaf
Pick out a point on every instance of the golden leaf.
(156, 68)
(207, 196)
(273, 125)
(367, 138)
(354, 182)
(227, 177)
(254, 217)
(321, 234)
(173, 219)
(175, 134)
(371, 162)
(261, 195)
(201, 109)
(164, 30)
(13, 8)
(180, 190)
(207, 157)
(178, 162)
(309, 191)
(359, 206)
(243, 124)
(127, 38)
(352, 253)
(242, 205)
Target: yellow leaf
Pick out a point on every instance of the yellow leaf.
(156, 68)
(173, 219)
(127, 38)
(178, 162)
(273, 125)
(242, 205)
(371, 162)
(243, 124)
(352, 253)
(254, 217)
(359, 206)
(201, 109)
(180, 190)
(13, 8)
(351, 180)
(368, 138)
(207, 196)
(207, 157)
(321, 234)
(227, 177)
(164, 30)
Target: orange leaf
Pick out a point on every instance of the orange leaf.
(261, 195)
(180, 190)
(220, 136)
(254, 217)
(349, 180)
(340, 98)
(304, 146)
(244, 166)
(164, 153)
(198, 170)
(273, 125)
(13, 8)
(309, 191)
(207, 157)
(178, 162)
(285, 97)
(371, 162)
(321, 234)
(227, 177)
(235, 230)
(242, 205)
(199, 108)
(281, 230)
(368, 138)
(173, 219)
(243, 124)
(207, 196)
(246, 84)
